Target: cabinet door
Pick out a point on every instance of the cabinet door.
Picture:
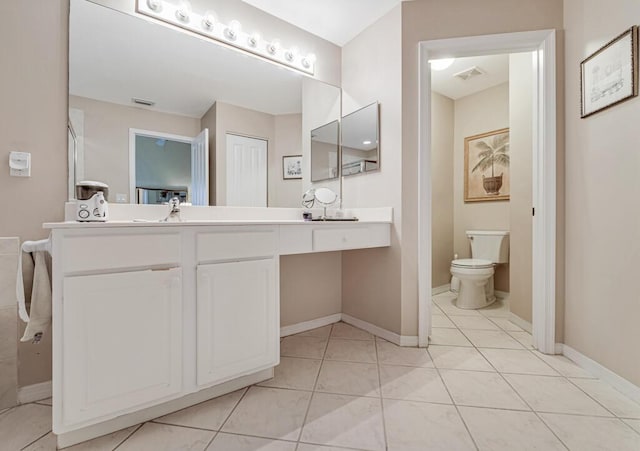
(238, 319)
(122, 343)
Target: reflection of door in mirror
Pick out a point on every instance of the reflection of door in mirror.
(324, 152)
(163, 166)
(246, 171)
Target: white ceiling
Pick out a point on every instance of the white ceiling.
(496, 68)
(114, 56)
(337, 21)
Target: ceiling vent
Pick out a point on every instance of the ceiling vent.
(142, 102)
(469, 73)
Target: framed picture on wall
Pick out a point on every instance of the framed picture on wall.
(610, 75)
(292, 167)
(486, 166)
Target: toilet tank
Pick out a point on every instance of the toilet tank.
(490, 245)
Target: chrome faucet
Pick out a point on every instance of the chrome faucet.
(174, 212)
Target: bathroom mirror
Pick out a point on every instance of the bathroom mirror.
(130, 77)
(325, 151)
(360, 141)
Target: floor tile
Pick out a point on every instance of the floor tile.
(269, 412)
(554, 394)
(231, 442)
(413, 384)
(506, 325)
(435, 309)
(507, 430)
(635, 424)
(351, 350)
(320, 332)
(446, 298)
(349, 378)
(46, 401)
(391, 354)
(609, 397)
(104, 443)
(308, 347)
(206, 415)
(474, 322)
(417, 426)
(344, 330)
(479, 389)
(310, 447)
(517, 361)
(451, 337)
(496, 310)
(164, 437)
(340, 420)
(23, 425)
(492, 339)
(452, 310)
(295, 373)
(524, 338)
(459, 358)
(582, 433)
(442, 321)
(564, 366)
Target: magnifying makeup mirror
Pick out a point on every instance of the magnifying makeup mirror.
(324, 196)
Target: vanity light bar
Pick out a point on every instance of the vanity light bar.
(181, 15)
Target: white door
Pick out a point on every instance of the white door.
(122, 343)
(200, 169)
(238, 319)
(246, 171)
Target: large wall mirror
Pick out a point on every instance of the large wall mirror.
(157, 111)
(360, 141)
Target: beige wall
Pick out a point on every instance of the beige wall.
(521, 150)
(371, 71)
(288, 141)
(106, 138)
(434, 19)
(9, 249)
(442, 121)
(481, 112)
(602, 190)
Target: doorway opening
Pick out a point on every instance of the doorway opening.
(541, 44)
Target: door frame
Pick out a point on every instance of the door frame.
(543, 43)
(133, 132)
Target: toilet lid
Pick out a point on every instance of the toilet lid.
(472, 263)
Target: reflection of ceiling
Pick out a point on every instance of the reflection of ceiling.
(328, 133)
(338, 21)
(361, 127)
(115, 56)
(496, 68)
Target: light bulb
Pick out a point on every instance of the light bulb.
(253, 40)
(291, 54)
(273, 47)
(231, 32)
(309, 60)
(208, 20)
(183, 12)
(441, 64)
(366, 143)
(155, 5)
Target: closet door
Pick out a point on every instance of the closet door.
(122, 343)
(246, 172)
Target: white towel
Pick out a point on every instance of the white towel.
(39, 317)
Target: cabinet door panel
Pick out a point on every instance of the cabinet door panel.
(122, 345)
(237, 319)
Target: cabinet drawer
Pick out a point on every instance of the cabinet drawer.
(236, 244)
(333, 239)
(89, 253)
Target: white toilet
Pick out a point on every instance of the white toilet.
(488, 249)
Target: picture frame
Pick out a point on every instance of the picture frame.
(485, 155)
(609, 76)
(292, 167)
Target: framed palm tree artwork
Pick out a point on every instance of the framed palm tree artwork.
(486, 166)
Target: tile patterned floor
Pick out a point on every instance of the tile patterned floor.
(480, 386)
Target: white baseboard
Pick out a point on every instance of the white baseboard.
(502, 294)
(35, 392)
(400, 340)
(309, 325)
(558, 348)
(441, 289)
(526, 325)
(618, 382)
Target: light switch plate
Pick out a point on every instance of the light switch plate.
(20, 164)
(121, 198)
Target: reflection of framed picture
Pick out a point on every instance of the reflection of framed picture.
(610, 75)
(292, 167)
(486, 166)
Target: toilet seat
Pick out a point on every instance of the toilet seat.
(472, 263)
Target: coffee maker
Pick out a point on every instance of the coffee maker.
(91, 203)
